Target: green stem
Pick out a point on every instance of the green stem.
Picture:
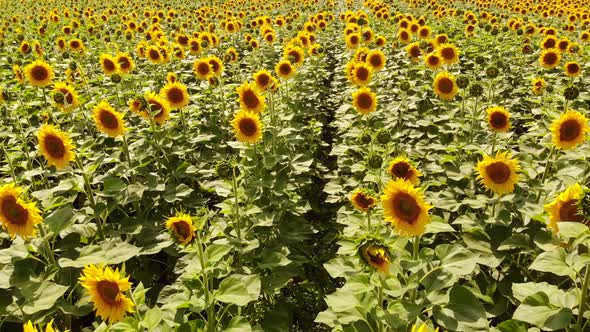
(548, 165)
(369, 219)
(126, 150)
(493, 143)
(472, 126)
(211, 322)
(10, 164)
(136, 311)
(583, 298)
(90, 195)
(415, 253)
(380, 304)
(237, 213)
(49, 248)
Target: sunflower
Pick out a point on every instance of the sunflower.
(154, 55)
(29, 327)
(549, 42)
(216, 64)
(566, 207)
(249, 98)
(405, 208)
(353, 40)
(203, 69)
(158, 107)
(171, 77)
(108, 63)
(181, 228)
(56, 146)
(433, 61)
(401, 168)
(175, 94)
(39, 73)
(414, 51)
(125, 63)
(550, 58)
(376, 60)
(449, 53)
(232, 54)
(263, 79)
(18, 74)
(422, 328)
(17, 216)
(294, 54)
(538, 85)
(107, 288)
(445, 86)
(572, 69)
(361, 74)
(76, 45)
(499, 173)
(362, 200)
(569, 130)
(247, 126)
(364, 100)
(107, 120)
(284, 69)
(498, 118)
(404, 35)
(65, 97)
(376, 256)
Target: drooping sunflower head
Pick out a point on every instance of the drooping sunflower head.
(445, 86)
(566, 207)
(17, 216)
(572, 69)
(181, 228)
(263, 79)
(247, 126)
(376, 256)
(158, 107)
(202, 69)
(107, 288)
(569, 130)
(39, 73)
(402, 168)
(498, 118)
(361, 74)
(364, 100)
(550, 58)
(376, 60)
(56, 146)
(284, 69)
(250, 99)
(176, 94)
(500, 173)
(125, 63)
(362, 200)
(538, 85)
(449, 53)
(108, 64)
(405, 208)
(107, 120)
(65, 97)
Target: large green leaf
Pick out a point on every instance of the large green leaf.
(554, 262)
(108, 252)
(41, 296)
(239, 289)
(463, 312)
(537, 310)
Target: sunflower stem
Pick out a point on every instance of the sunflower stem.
(583, 298)
(415, 253)
(10, 165)
(136, 311)
(548, 165)
(237, 215)
(211, 323)
(369, 219)
(493, 143)
(380, 304)
(49, 248)
(90, 195)
(126, 151)
(473, 121)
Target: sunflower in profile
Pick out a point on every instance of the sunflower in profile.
(449, 53)
(17, 216)
(500, 173)
(263, 79)
(364, 100)
(19, 75)
(107, 120)
(405, 208)
(445, 86)
(247, 127)
(231, 54)
(362, 200)
(569, 130)
(107, 289)
(175, 94)
(433, 60)
(550, 58)
(65, 97)
(39, 73)
(361, 74)
(566, 207)
(250, 99)
(158, 107)
(538, 86)
(125, 63)
(572, 69)
(376, 60)
(108, 64)
(402, 168)
(202, 69)
(284, 69)
(376, 256)
(56, 146)
(181, 228)
(498, 118)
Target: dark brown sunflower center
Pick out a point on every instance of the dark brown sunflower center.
(175, 95)
(401, 170)
(250, 99)
(569, 211)
(569, 130)
(67, 95)
(424, 33)
(203, 68)
(415, 52)
(124, 63)
(55, 146)
(573, 68)
(364, 201)
(296, 56)
(376, 259)
(75, 44)
(108, 65)
(354, 40)
(550, 58)
(563, 45)
(248, 127)
(404, 35)
(215, 65)
(433, 60)
(154, 54)
(362, 73)
(445, 85)
(108, 291)
(109, 120)
(550, 43)
(498, 120)
(499, 172)
(285, 69)
(375, 61)
(62, 44)
(447, 53)
(39, 73)
(365, 101)
(181, 229)
(405, 207)
(14, 212)
(441, 39)
(263, 80)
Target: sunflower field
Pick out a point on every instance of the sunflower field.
(294, 165)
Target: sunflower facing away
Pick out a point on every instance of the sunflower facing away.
(405, 208)
(39, 73)
(566, 207)
(569, 130)
(499, 173)
(56, 146)
(401, 168)
(249, 98)
(445, 86)
(181, 228)
(65, 97)
(364, 100)
(107, 288)
(362, 200)
(498, 118)
(17, 216)
(175, 94)
(107, 120)
(247, 127)
(376, 256)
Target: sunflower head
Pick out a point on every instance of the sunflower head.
(550, 58)
(109, 64)
(445, 86)
(566, 207)
(361, 74)
(158, 107)
(56, 146)
(181, 228)
(569, 130)
(538, 85)
(376, 256)
(263, 79)
(572, 69)
(39, 73)
(65, 97)
(247, 127)
(107, 120)
(176, 94)
(405, 208)
(250, 99)
(498, 118)
(203, 69)
(216, 65)
(500, 173)
(364, 100)
(284, 69)
(362, 200)
(107, 288)
(376, 60)
(402, 168)
(125, 63)
(433, 61)
(17, 216)
(449, 53)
